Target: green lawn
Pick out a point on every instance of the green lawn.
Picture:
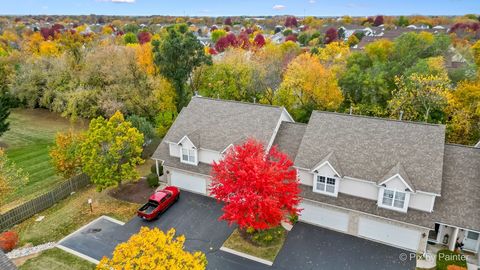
(70, 214)
(446, 257)
(27, 143)
(56, 259)
(236, 242)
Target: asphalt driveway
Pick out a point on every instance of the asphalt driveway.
(196, 216)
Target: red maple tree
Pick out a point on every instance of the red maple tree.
(258, 189)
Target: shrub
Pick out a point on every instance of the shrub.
(455, 267)
(8, 241)
(446, 258)
(153, 169)
(268, 237)
(152, 180)
(293, 219)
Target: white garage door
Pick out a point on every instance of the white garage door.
(389, 234)
(189, 182)
(315, 214)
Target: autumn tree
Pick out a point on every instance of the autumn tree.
(331, 35)
(259, 41)
(153, 249)
(177, 54)
(258, 188)
(378, 20)
(307, 86)
(291, 21)
(11, 177)
(65, 154)
(111, 151)
(464, 110)
(419, 96)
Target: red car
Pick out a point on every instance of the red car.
(159, 202)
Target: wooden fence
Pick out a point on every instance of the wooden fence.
(42, 202)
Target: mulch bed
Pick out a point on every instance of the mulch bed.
(137, 192)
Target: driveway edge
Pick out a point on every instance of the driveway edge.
(247, 256)
(78, 254)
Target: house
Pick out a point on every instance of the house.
(389, 181)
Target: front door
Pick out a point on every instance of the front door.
(471, 241)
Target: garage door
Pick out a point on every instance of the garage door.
(389, 233)
(317, 215)
(189, 182)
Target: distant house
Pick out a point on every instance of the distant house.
(393, 182)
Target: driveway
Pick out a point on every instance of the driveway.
(196, 216)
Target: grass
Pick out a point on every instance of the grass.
(236, 242)
(446, 257)
(27, 143)
(70, 214)
(56, 259)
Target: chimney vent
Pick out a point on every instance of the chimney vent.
(351, 110)
(401, 116)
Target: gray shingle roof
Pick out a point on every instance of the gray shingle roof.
(5, 263)
(230, 120)
(397, 169)
(458, 205)
(289, 137)
(460, 201)
(367, 147)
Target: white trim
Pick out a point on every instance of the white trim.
(186, 137)
(291, 118)
(401, 178)
(367, 214)
(245, 255)
(325, 192)
(78, 254)
(183, 170)
(226, 148)
(457, 227)
(406, 201)
(195, 156)
(367, 181)
(86, 225)
(331, 167)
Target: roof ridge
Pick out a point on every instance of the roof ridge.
(239, 102)
(379, 118)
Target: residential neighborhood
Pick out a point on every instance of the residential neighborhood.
(269, 135)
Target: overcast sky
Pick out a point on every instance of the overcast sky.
(240, 7)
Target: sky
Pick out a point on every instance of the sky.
(239, 7)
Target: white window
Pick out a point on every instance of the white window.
(394, 199)
(324, 184)
(189, 156)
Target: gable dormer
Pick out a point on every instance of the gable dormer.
(188, 151)
(327, 175)
(395, 189)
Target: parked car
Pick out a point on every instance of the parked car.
(159, 202)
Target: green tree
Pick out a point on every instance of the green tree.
(177, 54)
(420, 97)
(130, 38)
(111, 151)
(65, 154)
(11, 177)
(143, 125)
(4, 113)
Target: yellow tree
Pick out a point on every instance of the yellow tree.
(48, 48)
(65, 154)
(308, 85)
(464, 109)
(334, 56)
(144, 56)
(379, 50)
(418, 95)
(476, 52)
(153, 249)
